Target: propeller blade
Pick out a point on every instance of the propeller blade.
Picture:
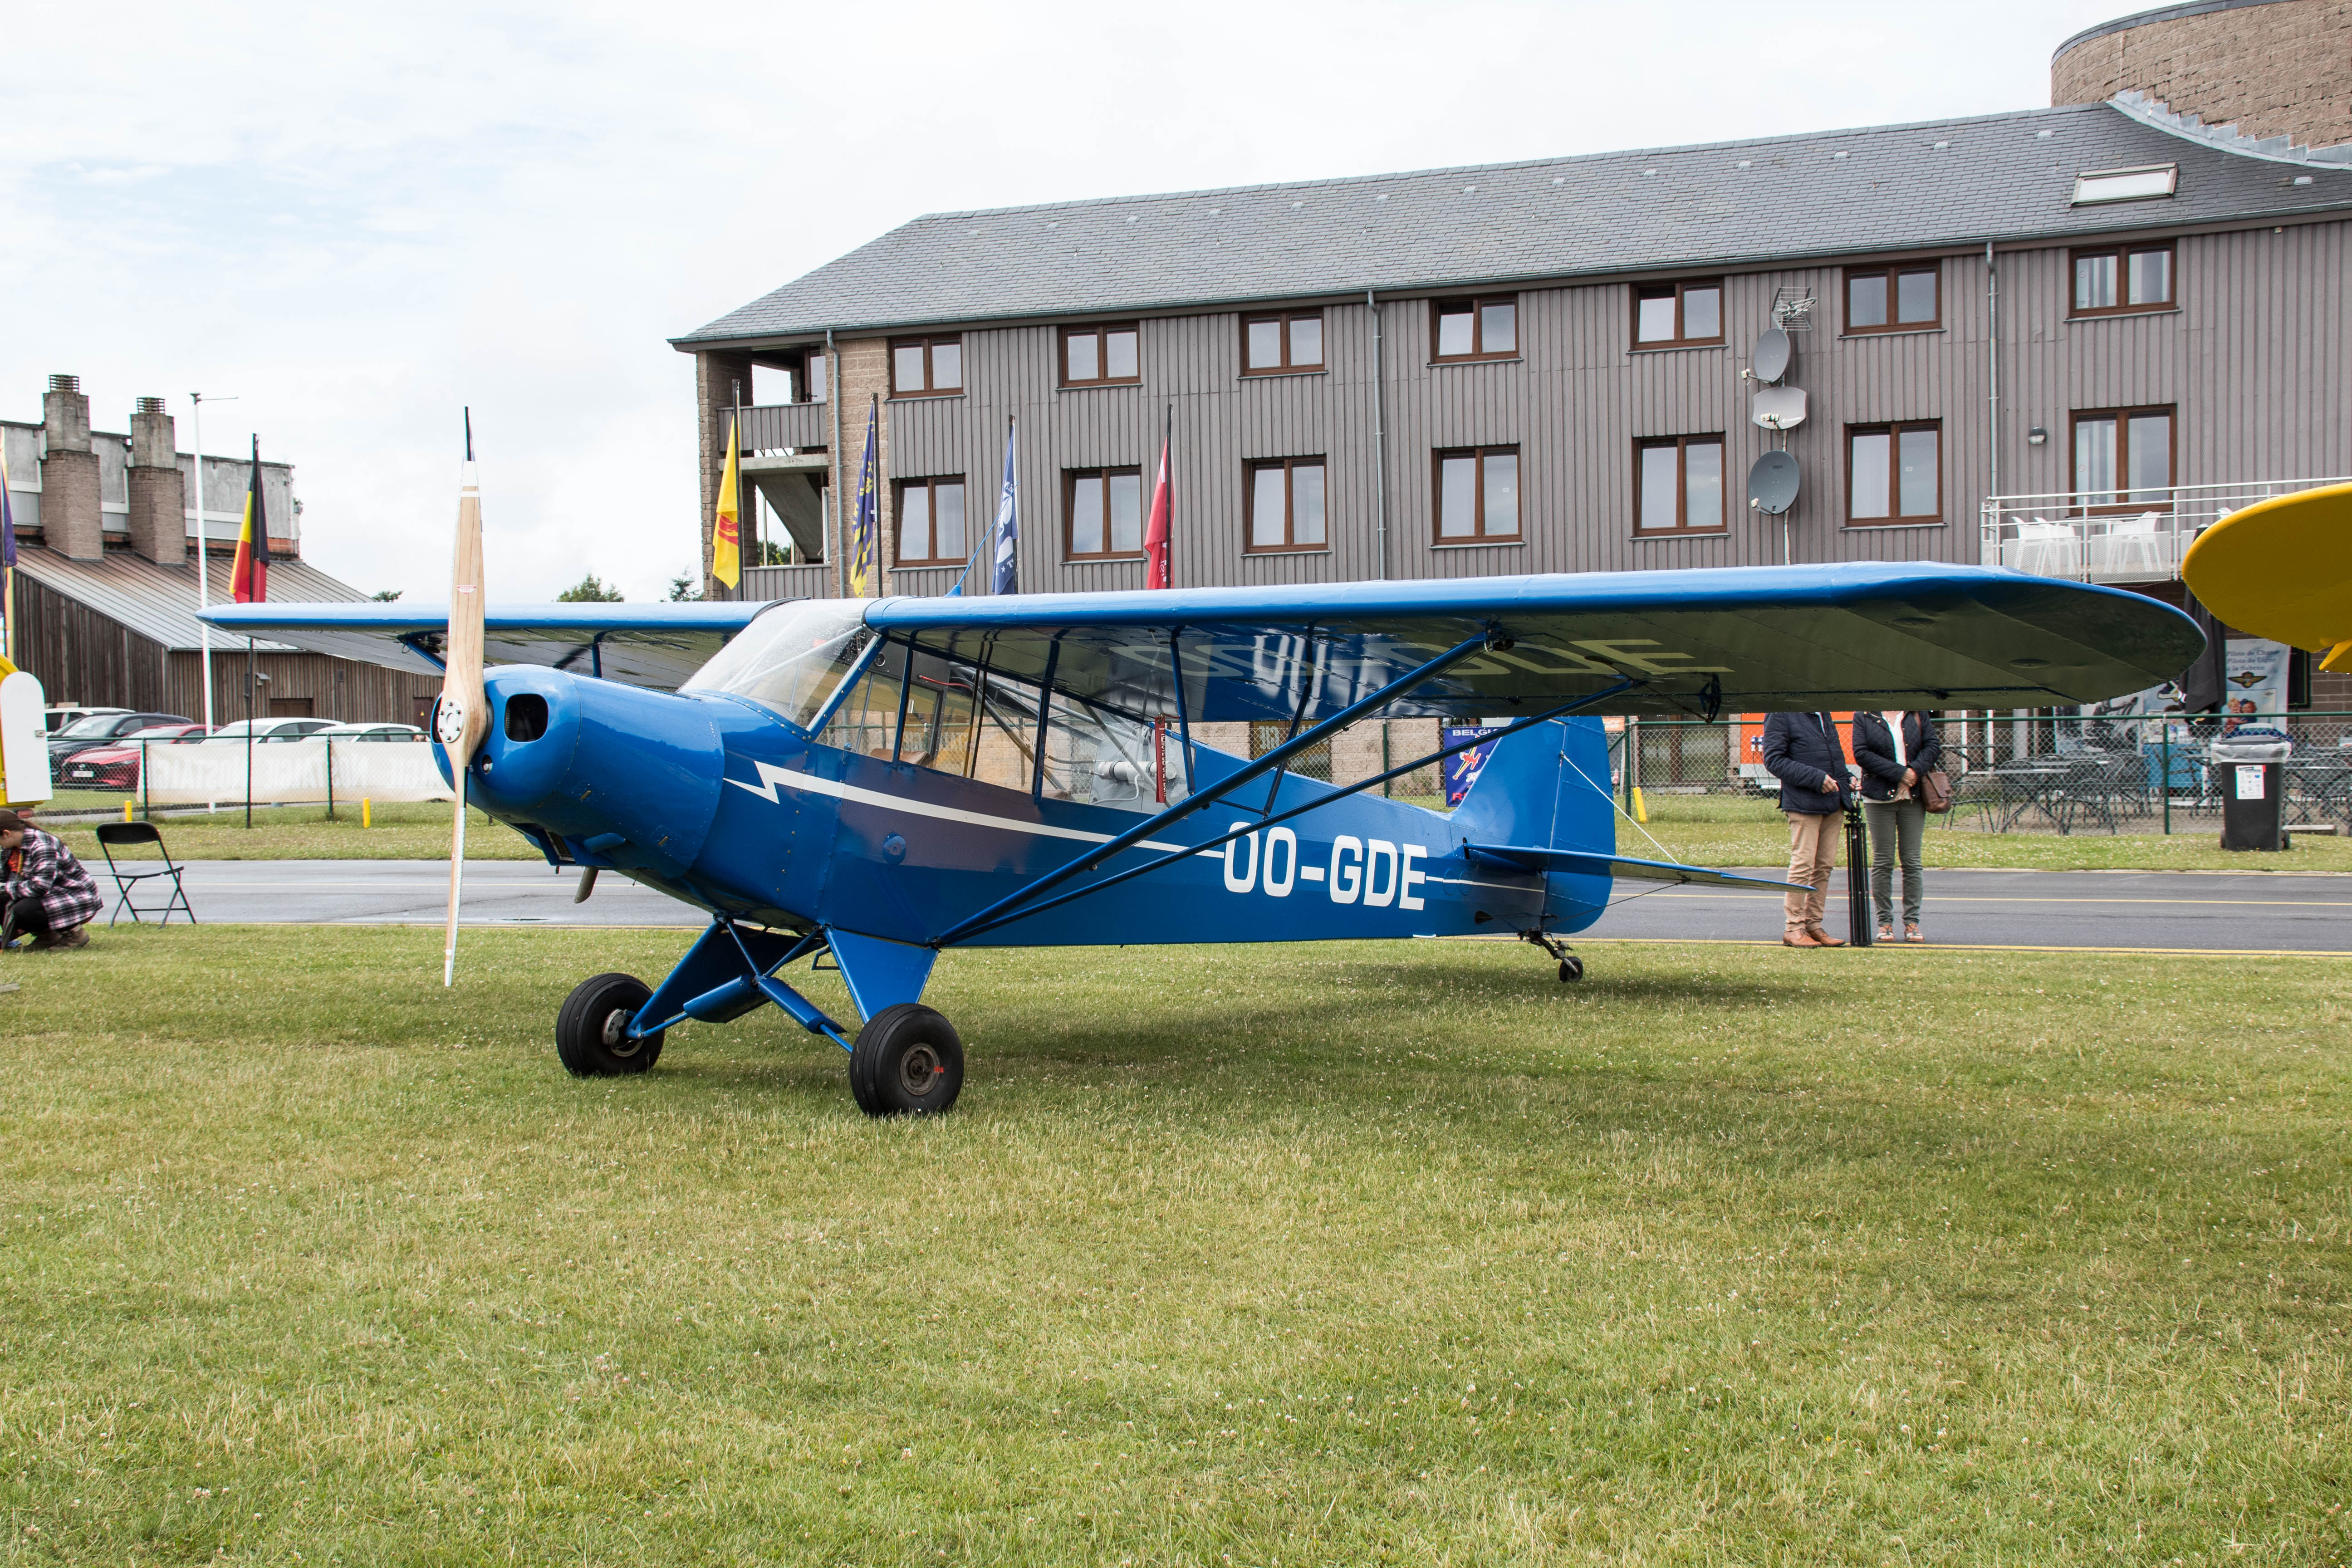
(463, 715)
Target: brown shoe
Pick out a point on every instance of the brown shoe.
(72, 936)
(1823, 939)
(1797, 939)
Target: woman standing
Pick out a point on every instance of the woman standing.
(1894, 751)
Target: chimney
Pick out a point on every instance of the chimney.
(159, 511)
(70, 523)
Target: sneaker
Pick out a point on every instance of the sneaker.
(1886, 933)
(1911, 933)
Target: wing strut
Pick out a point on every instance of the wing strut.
(1274, 759)
(989, 920)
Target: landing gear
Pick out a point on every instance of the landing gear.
(592, 1031)
(909, 1061)
(1572, 968)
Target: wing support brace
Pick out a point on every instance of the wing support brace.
(989, 920)
(1419, 676)
(729, 971)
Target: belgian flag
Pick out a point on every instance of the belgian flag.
(249, 578)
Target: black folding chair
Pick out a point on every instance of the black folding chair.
(113, 836)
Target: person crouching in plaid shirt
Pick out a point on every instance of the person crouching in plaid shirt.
(42, 889)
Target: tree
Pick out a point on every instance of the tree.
(385, 596)
(589, 590)
(683, 590)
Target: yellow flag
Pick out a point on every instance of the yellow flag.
(726, 547)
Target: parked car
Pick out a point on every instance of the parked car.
(371, 733)
(267, 730)
(116, 765)
(54, 719)
(98, 729)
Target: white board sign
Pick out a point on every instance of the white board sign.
(2250, 780)
(23, 740)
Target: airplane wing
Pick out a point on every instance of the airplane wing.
(1526, 858)
(1748, 639)
(656, 645)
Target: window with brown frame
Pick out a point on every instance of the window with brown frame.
(1285, 496)
(1678, 315)
(926, 367)
(930, 522)
(1893, 474)
(1102, 513)
(1477, 494)
(2121, 281)
(1894, 298)
(1485, 328)
(1277, 345)
(1678, 484)
(2123, 458)
(1100, 356)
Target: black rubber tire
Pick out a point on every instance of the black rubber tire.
(588, 1030)
(909, 1061)
(1572, 968)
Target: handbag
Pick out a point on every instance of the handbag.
(1935, 791)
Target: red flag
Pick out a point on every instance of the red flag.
(1155, 536)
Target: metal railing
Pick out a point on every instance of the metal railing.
(2115, 536)
(2044, 772)
(783, 427)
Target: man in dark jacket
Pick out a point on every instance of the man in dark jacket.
(1803, 752)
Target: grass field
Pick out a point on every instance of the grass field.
(1343, 1253)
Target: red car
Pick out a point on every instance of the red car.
(115, 765)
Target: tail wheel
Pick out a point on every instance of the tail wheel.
(1572, 968)
(909, 1061)
(591, 1034)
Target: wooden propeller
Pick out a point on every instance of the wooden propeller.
(462, 716)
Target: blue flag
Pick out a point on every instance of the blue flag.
(861, 547)
(1008, 522)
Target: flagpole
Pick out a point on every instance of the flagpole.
(203, 548)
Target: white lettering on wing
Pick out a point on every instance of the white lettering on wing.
(1376, 895)
(1247, 879)
(1282, 839)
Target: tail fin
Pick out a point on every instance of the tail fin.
(1546, 787)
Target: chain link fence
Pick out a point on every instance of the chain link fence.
(2039, 772)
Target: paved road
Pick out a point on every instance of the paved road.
(2135, 910)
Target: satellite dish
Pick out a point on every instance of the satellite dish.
(1780, 407)
(1773, 352)
(1772, 482)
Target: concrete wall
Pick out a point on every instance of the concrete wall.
(2273, 67)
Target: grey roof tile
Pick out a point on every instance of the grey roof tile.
(159, 603)
(1775, 200)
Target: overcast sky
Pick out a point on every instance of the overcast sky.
(357, 219)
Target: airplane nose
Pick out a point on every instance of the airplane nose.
(593, 758)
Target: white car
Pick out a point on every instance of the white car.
(266, 731)
(59, 718)
(370, 732)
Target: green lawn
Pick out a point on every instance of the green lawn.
(1306, 1255)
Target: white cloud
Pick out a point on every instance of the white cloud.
(357, 220)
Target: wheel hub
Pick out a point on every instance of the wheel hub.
(616, 1033)
(919, 1069)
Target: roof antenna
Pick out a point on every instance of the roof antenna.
(470, 433)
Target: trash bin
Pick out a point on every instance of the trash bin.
(2247, 765)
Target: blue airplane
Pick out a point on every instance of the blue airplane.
(878, 780)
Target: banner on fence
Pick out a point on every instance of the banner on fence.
(2253, 679)
(1463, 768)
(292, 773)
(1751, 762)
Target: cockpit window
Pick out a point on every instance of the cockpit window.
(791, 658)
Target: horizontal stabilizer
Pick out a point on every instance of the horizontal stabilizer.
(1522, 857)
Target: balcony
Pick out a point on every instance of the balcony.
(2136, 536)
(784, 427)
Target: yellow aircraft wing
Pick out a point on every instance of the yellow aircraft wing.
(2282, 569)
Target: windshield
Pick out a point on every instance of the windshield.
(790, 658)
(96, 724)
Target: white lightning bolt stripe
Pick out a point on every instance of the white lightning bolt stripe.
(770, 776)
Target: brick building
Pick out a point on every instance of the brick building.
(106, 597)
